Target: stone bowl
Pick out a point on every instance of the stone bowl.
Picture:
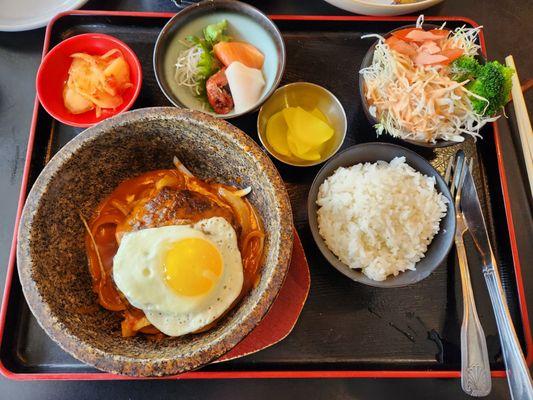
(51, 256)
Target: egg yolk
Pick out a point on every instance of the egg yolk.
(192, 266)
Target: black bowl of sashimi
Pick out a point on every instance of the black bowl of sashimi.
(234, 90)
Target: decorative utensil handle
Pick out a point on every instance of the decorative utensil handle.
(517, 372)
(475, 367)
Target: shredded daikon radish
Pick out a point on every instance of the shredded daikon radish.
(421, 103)
(187, 68)
(420, 21)
(466, 39)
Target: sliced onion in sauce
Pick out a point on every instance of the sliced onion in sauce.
(240, 208)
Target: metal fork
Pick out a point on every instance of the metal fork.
(475, 367)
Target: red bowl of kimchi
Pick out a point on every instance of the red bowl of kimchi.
(88, 78)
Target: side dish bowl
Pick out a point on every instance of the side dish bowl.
(367, 61)
(51, 254)
(380, 7)
(53, 73)
(245, 23)
(372, 152)
(307, 95)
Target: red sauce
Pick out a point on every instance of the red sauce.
(118, 213)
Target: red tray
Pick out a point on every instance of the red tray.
(323, 343)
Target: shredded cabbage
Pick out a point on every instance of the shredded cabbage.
(422, 103)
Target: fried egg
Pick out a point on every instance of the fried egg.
(182, 276)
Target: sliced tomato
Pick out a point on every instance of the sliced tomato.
(391, 40)
(451, 54)
(441, 33)
(402, 33)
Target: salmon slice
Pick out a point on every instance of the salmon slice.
(430, 47)
(402, 33)
(400, 46)
(422, 36)
(441, 33)
(429, 59)
(451, 54)
(245, 53)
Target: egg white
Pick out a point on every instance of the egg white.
(138, 272)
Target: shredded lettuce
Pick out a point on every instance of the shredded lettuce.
(207, 66)
(205, 62)
(215, 33)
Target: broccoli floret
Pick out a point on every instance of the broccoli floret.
(507, 83)
(463, 68)
(493, 83)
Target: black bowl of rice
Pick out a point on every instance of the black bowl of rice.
(381, 215)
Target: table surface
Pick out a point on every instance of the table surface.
(506, 26)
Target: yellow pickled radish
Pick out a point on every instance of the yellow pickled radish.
(299, 134)
(292, 146)
(320, 115)
(311, 156)
(306, 127)
(295, 147)
(276, 134)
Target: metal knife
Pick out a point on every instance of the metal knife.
(518, 377)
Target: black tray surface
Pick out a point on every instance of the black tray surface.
(344, 325)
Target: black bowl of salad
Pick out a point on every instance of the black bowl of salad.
(431, 86)
(224, 58)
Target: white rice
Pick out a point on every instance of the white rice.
(379, 217)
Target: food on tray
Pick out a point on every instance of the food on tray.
(96, 82)
(245, 53)
(296, 133)
(218, 93)
(426, 85)
(490, 81)
(246, 85)
(226, 74)
(379, 217)
(173, 253)
(182, 277)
